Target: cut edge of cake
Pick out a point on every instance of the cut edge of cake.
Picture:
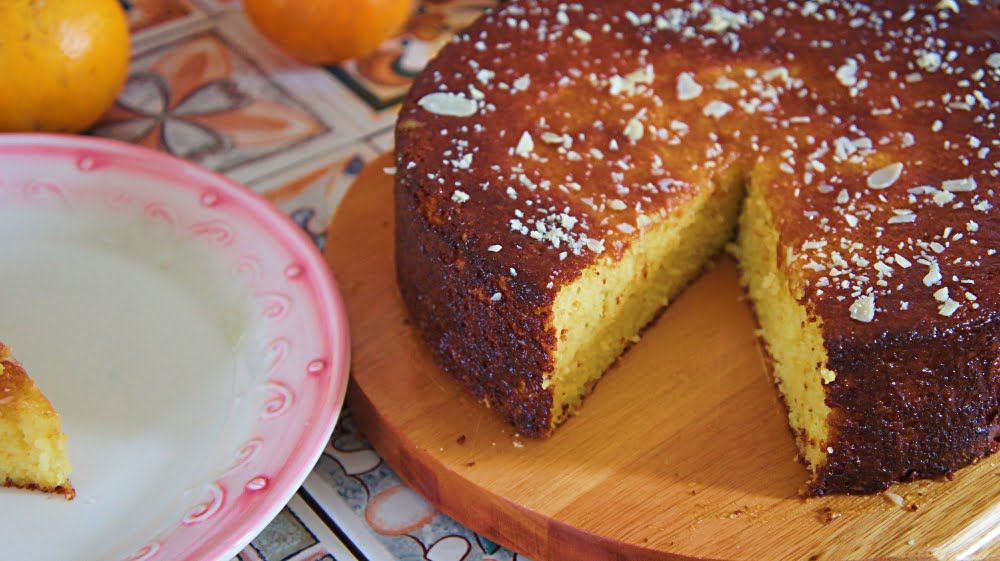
(791, 336)
(33, 453)
(655, 268)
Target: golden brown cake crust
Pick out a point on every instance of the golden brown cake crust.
(872, 130)
(13, 382)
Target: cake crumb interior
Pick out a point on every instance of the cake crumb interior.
(792, 336)
(35, 446)
(600, 314)
(596, 320)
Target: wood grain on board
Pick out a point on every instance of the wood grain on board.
(681, 452)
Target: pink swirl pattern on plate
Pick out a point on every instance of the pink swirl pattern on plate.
(276, 261)
(144, 553)
(208, 508)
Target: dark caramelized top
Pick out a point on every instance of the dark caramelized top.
(551, 134)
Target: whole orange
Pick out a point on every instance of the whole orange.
(328, 31)
(62, 62)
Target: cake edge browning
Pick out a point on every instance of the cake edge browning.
(906, 421)
(892, 417)
(472, 338)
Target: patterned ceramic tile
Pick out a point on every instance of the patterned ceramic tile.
(155, 21)
(309, 192)
(379, 81)
(405, 524)
(208, 99)
(147, 13)
(216, 6)
(382, 141)
(296, 534)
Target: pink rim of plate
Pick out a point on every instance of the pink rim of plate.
(260, 500)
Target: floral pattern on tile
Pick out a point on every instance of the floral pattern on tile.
(310, 192)
(406, 524)
(287, 538)
(143, 14)
(382, 78)
(202, 100)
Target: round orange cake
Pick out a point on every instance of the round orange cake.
(564, 169)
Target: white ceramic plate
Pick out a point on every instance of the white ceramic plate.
(189, 335)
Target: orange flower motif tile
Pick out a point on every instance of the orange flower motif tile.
(143, 14)
(201, 99)
(382, 78)
(309, 192)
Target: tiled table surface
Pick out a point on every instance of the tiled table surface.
(206, 87)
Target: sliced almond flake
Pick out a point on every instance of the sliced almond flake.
(929, 61)
(448, 104)
(885, 177)
(947, 5)
(883, 269)
(634, 130)
(959, 185)
(863, 309)
(847, 73)
(597, 246)
(687, 88)
(942, 198)
(949, 307)
(902, 261)
(724, 83)
(902, 217)
(933, 275)
(723, 19)
(484, 76)
(717, 109)
(525, 145)
(893, 498)
(643, 75)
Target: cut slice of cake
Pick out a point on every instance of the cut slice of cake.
(32, 443)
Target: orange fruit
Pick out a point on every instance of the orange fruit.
(62, 61)
(328, 31)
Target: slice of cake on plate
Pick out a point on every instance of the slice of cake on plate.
(32, 443)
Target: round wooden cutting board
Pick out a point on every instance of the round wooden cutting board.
(681, 452)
